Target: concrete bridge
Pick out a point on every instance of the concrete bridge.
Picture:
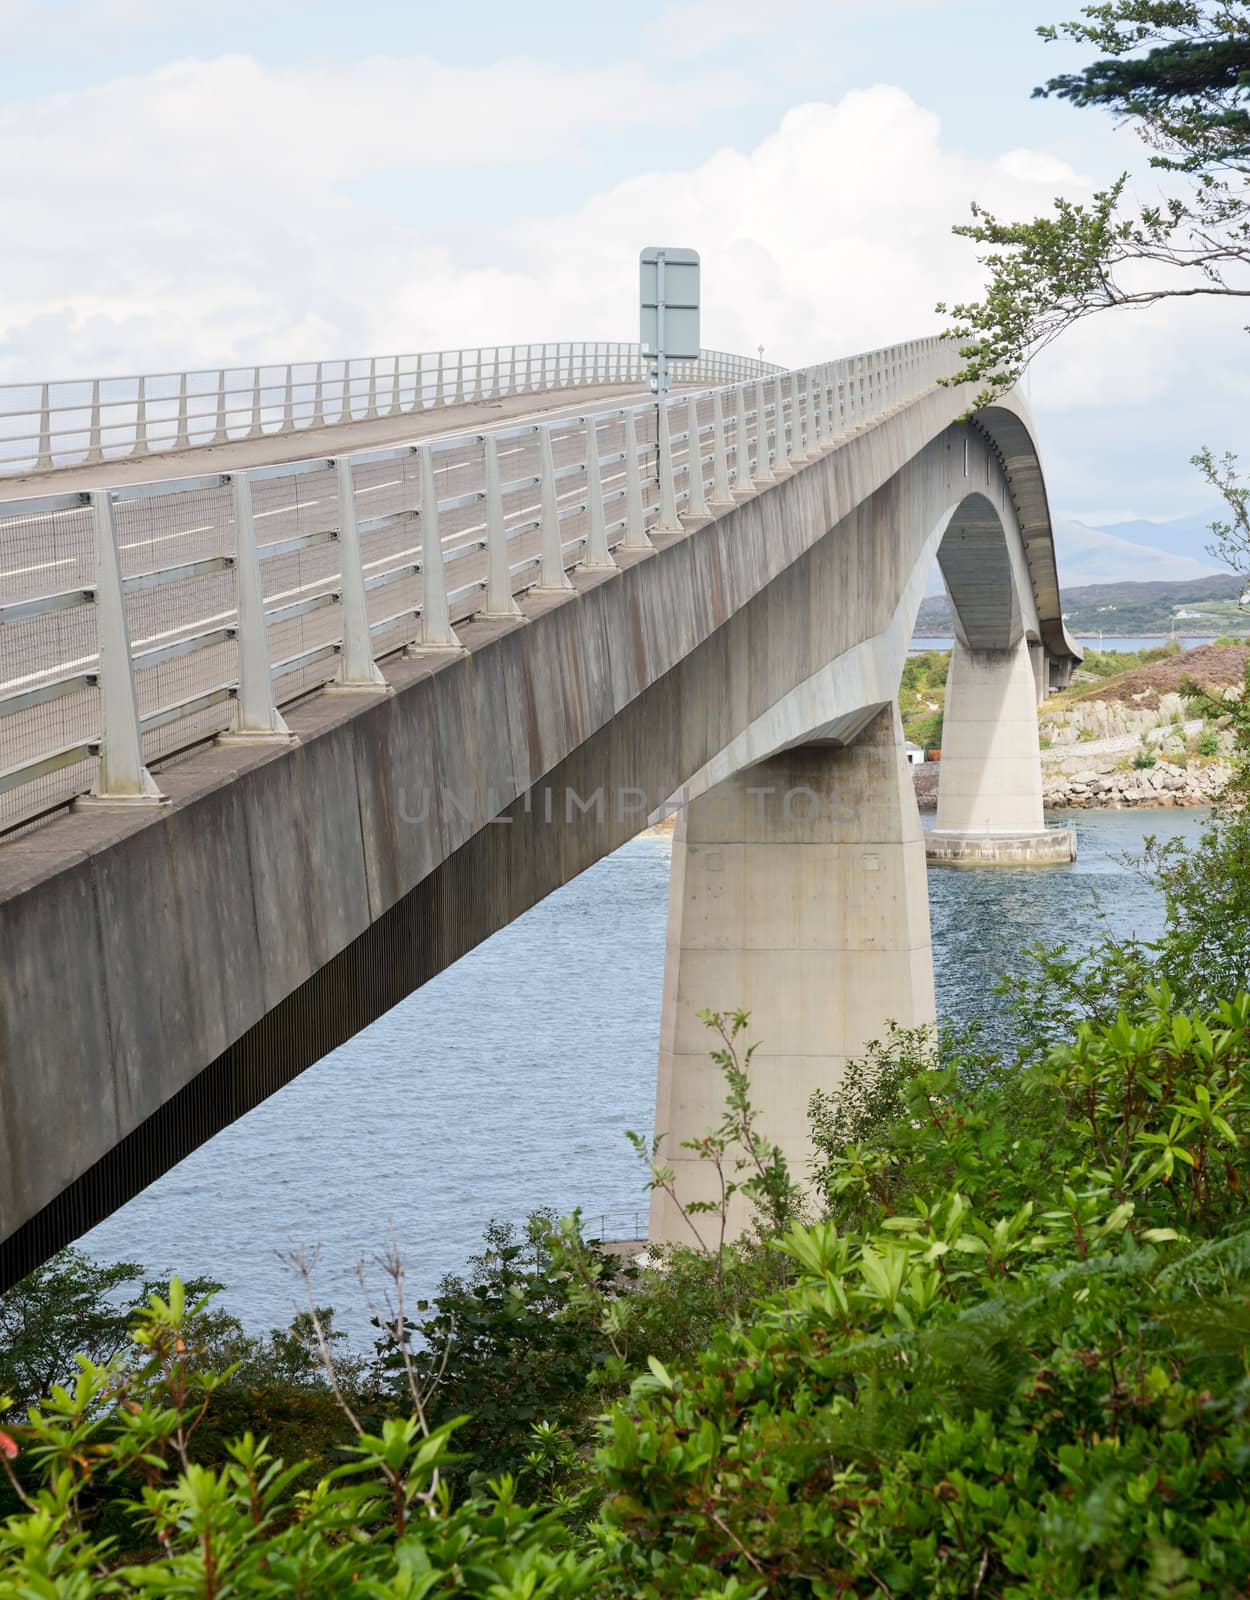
(281, 741)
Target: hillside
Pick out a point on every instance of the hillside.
(1197, 606)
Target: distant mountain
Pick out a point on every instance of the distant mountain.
(1207, 605)
(1181, 536)
(1111, 555)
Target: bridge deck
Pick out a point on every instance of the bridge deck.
(273, 448)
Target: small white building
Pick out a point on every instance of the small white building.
(914, 753)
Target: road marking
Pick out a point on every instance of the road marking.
(18, 572)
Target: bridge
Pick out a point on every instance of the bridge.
(284, 734)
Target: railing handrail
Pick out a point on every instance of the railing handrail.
(342, 361)
(200, 406)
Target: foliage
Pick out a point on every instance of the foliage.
(733, 1148)
(1187, 98)
(1207, 742)
(1144, 759)
(381, 1524)
(1013, 1363)
(1111, 663)
(504, 1347)
(75, 1306)
(921, 696)
(1232, 538)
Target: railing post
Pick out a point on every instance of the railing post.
(438, 382)
(437, 632)
(477, 377)
(551, 574)
(781, 462)
(668, 520)
(494, 389)
(94, 451)
(358, 670)
(598, 556)
(141, 420)
(395, 398)
(742, 485)
(798, 443)
(529, 369)
(418, 386)
(459, 393)
(121, 779)
(816, 390)
(635, 518)
(512, 370)
(258, 717)
(182, 438)
(500, 605)
(288, 402)
(319, 399)
(219, 429)
(763, 462)
(255, 431)
(696, 496)
(371, 398)
(43, 457)
(721, 496)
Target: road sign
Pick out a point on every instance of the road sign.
(669, 307)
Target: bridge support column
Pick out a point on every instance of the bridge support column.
(798, 893)
(990, 790)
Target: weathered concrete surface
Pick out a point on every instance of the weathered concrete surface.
(1046, 847)
(163, 974)
(798, 893)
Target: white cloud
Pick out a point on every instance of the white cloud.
(210, 211)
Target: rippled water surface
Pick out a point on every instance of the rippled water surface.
(508, 1082)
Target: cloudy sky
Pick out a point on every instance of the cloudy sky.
(188, 184)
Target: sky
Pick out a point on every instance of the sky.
(189, 185)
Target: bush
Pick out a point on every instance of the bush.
(1208, 743)
(1011, 1364)
(1144, 759)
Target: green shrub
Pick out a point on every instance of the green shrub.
(1012, 1364)
(1144, 759)
(1208, 743)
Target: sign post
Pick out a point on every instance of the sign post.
(669, 310)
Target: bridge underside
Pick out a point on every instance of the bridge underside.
(169, 973)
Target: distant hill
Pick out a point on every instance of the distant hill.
(1207, 605)
(1158, 552)
(1181, 536)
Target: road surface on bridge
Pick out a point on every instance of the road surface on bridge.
(333, 439)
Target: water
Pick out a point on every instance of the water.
(508, 1082)
(1106, 641)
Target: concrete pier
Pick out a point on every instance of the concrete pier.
(798, 893)
(989, 809)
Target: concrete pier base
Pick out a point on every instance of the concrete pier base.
(1046, 847)
(798, 893)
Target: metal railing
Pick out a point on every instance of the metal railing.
(76, 422)
(139, 621)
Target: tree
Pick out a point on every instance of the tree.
(1179, 72)
(1187, 98)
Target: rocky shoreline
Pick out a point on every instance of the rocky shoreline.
(1164, 785)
